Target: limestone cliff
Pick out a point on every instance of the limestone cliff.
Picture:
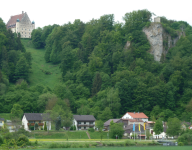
(159, 40)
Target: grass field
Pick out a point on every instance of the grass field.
(6, 116)
(97, 135)
(39, 66)
(59, 135)
(132, 148)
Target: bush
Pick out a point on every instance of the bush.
(185, 138)
(71, 128)
(91, 130)
(1, 140)
(74, 127)
(8, 136)
(23, 140)
(31, 127)
(180, 144)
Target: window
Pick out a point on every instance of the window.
(79, 128)
(31, 121)
(84, 127)
(22, 32)
(22, 28)
(91, 122)
(29, 29)
(84, 122)
(79, 122)
(39, 121)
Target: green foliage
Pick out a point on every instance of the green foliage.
(16, 111)
(174, 127)
(99, 124)
(91, 130)
(116, 129)
(45, 126)
(158, 128)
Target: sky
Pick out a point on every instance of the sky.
(49, 12)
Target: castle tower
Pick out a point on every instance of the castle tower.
(157, 19)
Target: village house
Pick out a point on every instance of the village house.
(30, 119)
(21, 24)
(84, 122)
(107, 123)
(2, 121)
(135, 115)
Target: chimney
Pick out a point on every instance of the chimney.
(22, 12)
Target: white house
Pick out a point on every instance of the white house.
(135, 115)
(84, 122)
(30, 119)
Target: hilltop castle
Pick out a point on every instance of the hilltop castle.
(21, 24)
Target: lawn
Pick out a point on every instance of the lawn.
(40, 67)
(131, 148)
(6, 116)
(97, 135)
(59, 135)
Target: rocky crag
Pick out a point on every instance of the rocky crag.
(160, 41)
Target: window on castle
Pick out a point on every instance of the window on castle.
(22, 28)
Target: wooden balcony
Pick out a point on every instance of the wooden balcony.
(85, 125)
(32, 124)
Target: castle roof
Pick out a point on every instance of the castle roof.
(12, 21)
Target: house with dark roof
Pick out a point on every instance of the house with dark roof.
(21, 24)
(2, 121)
(135, 115)
(107, 123)
(30, 119)
(84, 122)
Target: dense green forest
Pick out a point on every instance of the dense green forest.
(100, 75)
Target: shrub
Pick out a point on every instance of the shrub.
(91, 130)
(31, 127)
(23, 140)
(8, 136)
(74, 127)
(1, 140)
(86, 145)
(185, 138)
(71, 128)
(180, 144)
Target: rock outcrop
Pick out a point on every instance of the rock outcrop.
(159, 40)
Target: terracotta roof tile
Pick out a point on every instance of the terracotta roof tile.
(13, 19)
(137, 115)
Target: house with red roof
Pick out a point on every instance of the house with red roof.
(135, 115)
(21, 24)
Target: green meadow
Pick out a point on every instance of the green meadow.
(43, 73)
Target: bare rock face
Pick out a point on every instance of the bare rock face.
(159, 40)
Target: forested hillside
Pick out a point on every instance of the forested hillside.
(104, 77)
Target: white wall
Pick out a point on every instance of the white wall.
(82, 122)
(24, 123)
(127, 116)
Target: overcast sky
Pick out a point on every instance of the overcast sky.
(48, 12)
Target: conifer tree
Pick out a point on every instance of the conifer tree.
(45, 127)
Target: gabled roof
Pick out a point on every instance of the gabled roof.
(13, 19)
(137, 115)
(36, 116)
(107, 123)
(84, 117)
(2, 119)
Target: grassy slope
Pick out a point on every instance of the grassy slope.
(38, 64)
